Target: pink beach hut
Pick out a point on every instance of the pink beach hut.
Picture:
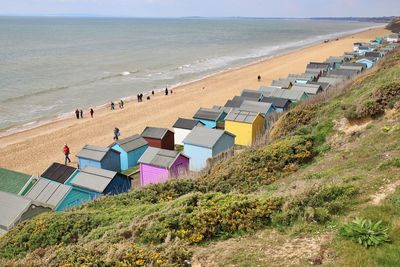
(159, 165)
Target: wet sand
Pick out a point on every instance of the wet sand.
(33, 150)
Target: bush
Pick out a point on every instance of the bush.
(365, 232)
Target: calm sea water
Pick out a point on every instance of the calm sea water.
(51, 66)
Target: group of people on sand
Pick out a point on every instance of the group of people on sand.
(79, 113)
(121, 104)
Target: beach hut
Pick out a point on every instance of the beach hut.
(15, 209)
(58, 172)
(13, 182)
(310, 89)
(282, 83)
(159, 165)
(258, 107)
(130, 149)
(159, 137)
(209, 117)
(292, 95)
(356, 46)
(235, 102)
(182, 128)
(376, 55)
(324, 86)
(99, 182)
(99, 157)
(54, 195)
(303, 77)
(204, 143)
(280, 104)
(364, 49)
(370, 62)
(247, 126)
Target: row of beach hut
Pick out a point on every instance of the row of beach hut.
(160, 154)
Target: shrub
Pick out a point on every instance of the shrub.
(365, 232)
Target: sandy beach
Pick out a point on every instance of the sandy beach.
(33, 150)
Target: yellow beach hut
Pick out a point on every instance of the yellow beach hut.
(246, 125)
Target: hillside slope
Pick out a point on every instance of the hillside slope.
(328, 160)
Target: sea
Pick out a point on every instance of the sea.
(50, 66)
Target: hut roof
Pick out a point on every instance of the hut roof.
(277, 101)
(154, 132)
(93, 152)
(48, 193)
(58, 172)
(187, 124)
(204, 137)
(208, 114)
(131, 143)
(252, 94)
(242, 116)
(257, 107)
(11, 181)
(282, 83)
(159, 157)
(93, 179)
(12, 207)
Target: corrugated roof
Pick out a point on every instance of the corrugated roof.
(253, 94)
(282, 83)
(293, 95)
(12, 207)
(48, 193)
(93, 152)
(312, 89)
(331, 80)
(208, 114)
(159, 157)
(334, 60)
(187, 124)
(324, 86)
(242, 116)
(343, 72)
(204, 137)
(235, 102)
(131, 143)
(93, 179)
(11, 181)
(58, 172)
(154, 132)
(257, 107)
(318, 65)
(277, 101)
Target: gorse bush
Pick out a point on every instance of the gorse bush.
(200, 217)
(365, 232)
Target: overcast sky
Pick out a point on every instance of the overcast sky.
(205, 8)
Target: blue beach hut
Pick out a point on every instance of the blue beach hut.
(99, 157)
(210, 117)
(131, 149)
(203, 143)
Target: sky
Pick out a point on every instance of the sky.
(204, 8)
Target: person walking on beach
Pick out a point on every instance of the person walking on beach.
(112, 106)
(77, 113)
(81, 114)
(122, 103)
(138, 98)
(152, 93)
(259, 78)
(91, 113)
(166, 91)
(171, 91)
(117, 133)
(141, 97)
(66, 154)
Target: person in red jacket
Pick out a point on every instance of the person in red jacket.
(66, 153)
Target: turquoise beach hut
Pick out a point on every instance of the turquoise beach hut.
(130, 149)
(203, 143)
(210, 117)
(99, 157)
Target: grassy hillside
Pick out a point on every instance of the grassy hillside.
(327, 161)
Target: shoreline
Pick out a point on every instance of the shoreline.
(30, 125)
(33, 150)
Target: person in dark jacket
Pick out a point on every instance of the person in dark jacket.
(117, 133)
(166, 91)
(77, 113)
(91, 113)
(81, 114)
